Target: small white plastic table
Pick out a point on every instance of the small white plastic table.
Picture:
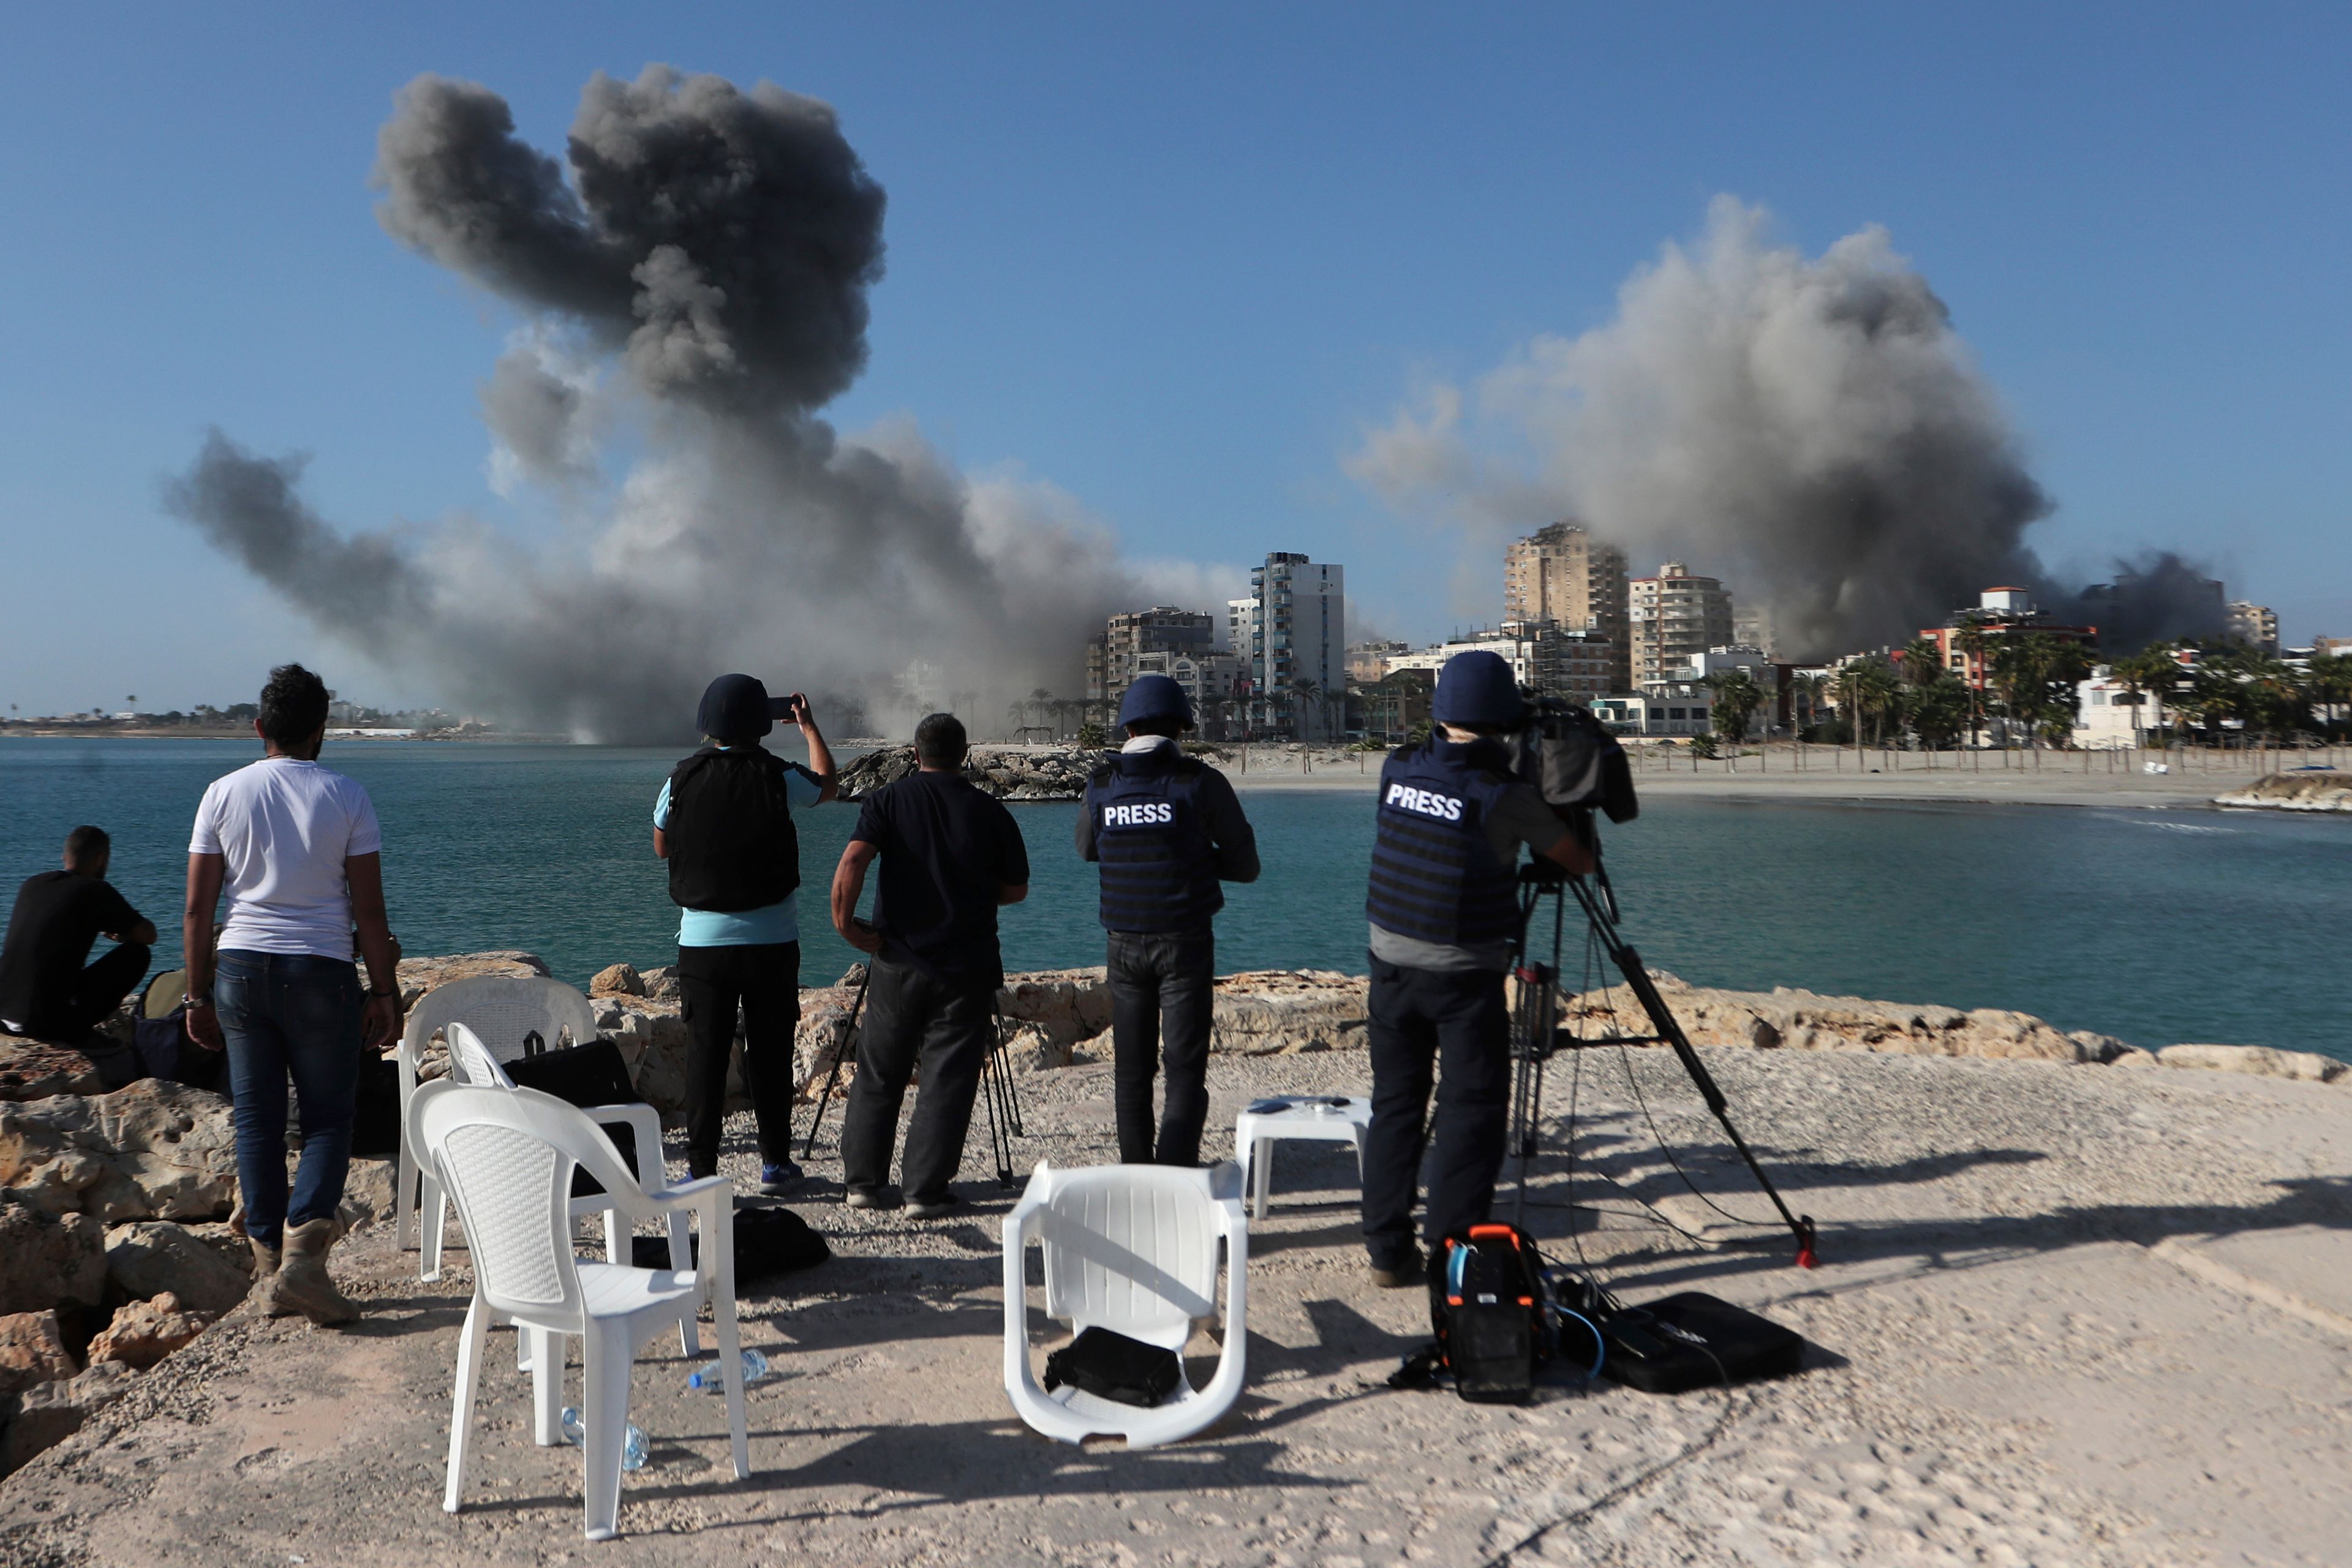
(1325, 1117)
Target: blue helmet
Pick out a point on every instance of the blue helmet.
(1154, 697)
(1478, 688)
(734, 708)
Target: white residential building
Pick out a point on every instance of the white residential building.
(1297, 629)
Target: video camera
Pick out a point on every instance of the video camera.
(1574, 762)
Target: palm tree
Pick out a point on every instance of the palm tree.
(1736, 697)
(1304, 694)
(1861, 687)
(2150, 672)
(2327, 685)
(1969, 638)
(1922, 661)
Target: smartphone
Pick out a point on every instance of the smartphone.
(782, 707)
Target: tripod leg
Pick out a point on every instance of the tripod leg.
(1662, 1018)
(833, 1074)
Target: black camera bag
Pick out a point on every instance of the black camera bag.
(1486, 1304)
(768, 1240)
(1694, 1341)
(1111, 1365)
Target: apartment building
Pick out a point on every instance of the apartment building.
(1561, 574)
(1298, 628)
(1674, 616)
(2256, 626)
(1543, 657)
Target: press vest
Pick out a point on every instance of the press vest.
(1159, 867)
(1435, 875)
(732, 845)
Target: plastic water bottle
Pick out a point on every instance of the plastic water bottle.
(711, 1380)
(633, 1440)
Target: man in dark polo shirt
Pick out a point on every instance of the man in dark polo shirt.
(45, 990)
(950, 856)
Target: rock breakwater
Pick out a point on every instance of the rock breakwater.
(2329, 791)
(1008, 773)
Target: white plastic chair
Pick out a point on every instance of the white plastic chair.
(1133, 1248)
(504, 1010)
(507, 1158)
(470, 1062)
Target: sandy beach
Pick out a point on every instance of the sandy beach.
(2066, 1315)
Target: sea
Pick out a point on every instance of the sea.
(2157, 926)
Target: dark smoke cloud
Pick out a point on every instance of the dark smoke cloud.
(2159, 596)
(694, 279)
(1813, 431)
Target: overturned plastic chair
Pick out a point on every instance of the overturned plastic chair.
(1132, 1248)
(470, 1062)
(504, 1011)
(506, 1156)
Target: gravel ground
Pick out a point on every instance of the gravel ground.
(2065, 1316)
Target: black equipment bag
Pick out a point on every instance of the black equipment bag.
(1571, 758)
(1694, 1341)
(1110, 1365)
(1487, 1304)
(375, 1108)
(767, 1241)
(593, 1074)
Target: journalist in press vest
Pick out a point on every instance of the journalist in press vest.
(1444, 914)
(724, 823)
(1166, 830)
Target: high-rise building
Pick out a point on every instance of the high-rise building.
(1163, 628)
(1299, 639)
(1674, 616)
(1561, 574)
(2256, 626)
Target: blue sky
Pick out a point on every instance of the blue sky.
(1178, 262)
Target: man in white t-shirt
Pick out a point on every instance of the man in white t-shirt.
(296, 848)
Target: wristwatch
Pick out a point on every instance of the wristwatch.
(190, 999)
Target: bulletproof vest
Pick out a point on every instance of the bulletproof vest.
(732, 845)
(1158, 867)
(1435, 875)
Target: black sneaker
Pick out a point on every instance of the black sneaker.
(931, 1208)
(1408, 1271)
(871, 1198)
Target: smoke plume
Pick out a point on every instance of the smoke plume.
(1813, 432)
(693, 281)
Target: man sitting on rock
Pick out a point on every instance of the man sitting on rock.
(950, 854)
(46, 991)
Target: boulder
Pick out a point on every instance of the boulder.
(2329, 791)
(152, 1150)
(1267, 1012)
(617, 979)
(1008, 773)
(144, 1332)
(32, 1350)
(46, 1259)
(148, 1258)
(1804, 1021)
(2307, 1066)
(32, 1071)
(661, 983)
(48, 1413)
(419, 976)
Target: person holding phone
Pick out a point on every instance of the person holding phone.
(724, 823)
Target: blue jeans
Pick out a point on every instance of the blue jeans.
(280, 1014)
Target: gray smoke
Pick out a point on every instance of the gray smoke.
(694, 282)
(1813, 432)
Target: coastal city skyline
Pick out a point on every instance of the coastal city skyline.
(1308, 397)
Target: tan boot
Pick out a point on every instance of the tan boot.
(302, 1285)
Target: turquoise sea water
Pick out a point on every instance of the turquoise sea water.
(2157, 926)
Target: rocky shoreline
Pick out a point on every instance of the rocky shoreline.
(2294, 792)
(115, 1249)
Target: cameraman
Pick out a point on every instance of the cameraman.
(1444, 911)
(724, 823)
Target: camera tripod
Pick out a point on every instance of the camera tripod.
(1536, 1034)
(996, 1085)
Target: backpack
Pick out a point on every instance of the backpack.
(768, 1240)
(1487, 1306)
(1111, 1365)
